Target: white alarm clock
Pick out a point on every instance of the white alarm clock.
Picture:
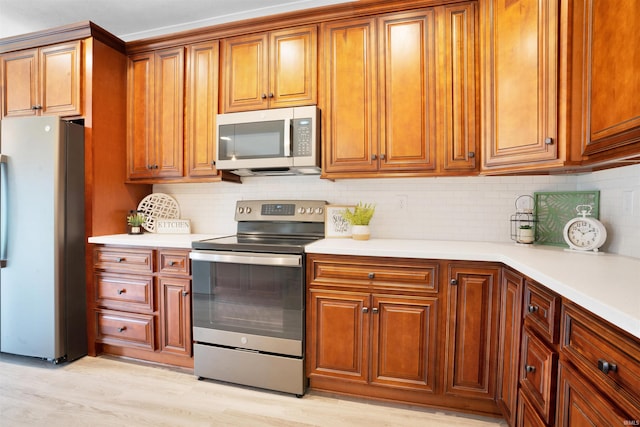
(584, 233)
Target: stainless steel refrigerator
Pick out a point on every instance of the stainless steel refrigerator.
(42, 239)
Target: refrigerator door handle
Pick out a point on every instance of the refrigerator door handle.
(3, 210)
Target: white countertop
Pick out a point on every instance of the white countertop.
(608, 285)
(182, 241)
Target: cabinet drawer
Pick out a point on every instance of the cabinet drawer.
(128, 329)
(541, 311)
(173, 262)
(124, 292)
(372, 273)
(123, 259)
(607, 356)
(538, 374)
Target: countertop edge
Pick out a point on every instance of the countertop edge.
(578, 277)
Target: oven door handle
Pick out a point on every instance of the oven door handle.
(254, 258)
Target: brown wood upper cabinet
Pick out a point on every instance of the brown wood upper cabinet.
(606, 106)
(201, 109)
(389, 83)
(155, 114)
(42, 81)
(520, 79)
(270, 70)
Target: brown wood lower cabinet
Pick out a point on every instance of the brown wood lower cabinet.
(382, 328)
(378, 339)
(141, 300)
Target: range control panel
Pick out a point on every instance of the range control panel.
(280, 210)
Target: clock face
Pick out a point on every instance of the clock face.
(584, 234)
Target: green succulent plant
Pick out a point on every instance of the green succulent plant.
(136, 220)
(361, 214)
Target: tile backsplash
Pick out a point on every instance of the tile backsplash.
(439, 208)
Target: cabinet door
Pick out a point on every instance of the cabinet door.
(202, 108)
(404, 342)
(338, 335)
(579, 404)
(472, 331)
(169, 112)
(140, 116)
(461, 125)
(175, 315)
(608, 97)
(60, 79)
(509, 344)
(245, 73)
(520, 82)
(293, 67)
(20, 83)
(349, 97)
(407, 85)
(538, 374)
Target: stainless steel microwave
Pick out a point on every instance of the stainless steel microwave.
(281, 141)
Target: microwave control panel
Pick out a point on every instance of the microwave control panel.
(302, 137)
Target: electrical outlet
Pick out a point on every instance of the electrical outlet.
(402, 201)
(627, 202)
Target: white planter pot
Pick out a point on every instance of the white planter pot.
(526, 235)
(360, 232)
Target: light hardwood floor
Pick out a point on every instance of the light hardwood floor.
(104, 391)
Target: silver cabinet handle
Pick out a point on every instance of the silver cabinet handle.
(365, 309)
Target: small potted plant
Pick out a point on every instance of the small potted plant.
(134, 221)
(359, 219)
(526, 234)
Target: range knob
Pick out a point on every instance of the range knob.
(248, 210)
(319, 211)
(240, 210)
(301, 210)
(309, 211)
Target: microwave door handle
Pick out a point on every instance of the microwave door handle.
(287, 138)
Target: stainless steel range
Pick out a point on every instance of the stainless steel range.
(249, 296)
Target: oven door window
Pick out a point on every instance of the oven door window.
(260, 140)
(252, 299)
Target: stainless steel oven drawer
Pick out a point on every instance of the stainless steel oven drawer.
(249, 368)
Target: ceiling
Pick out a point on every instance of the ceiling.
(139, 19)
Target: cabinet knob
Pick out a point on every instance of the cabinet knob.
(471, 154)
(548, 141)
(172, 263)
(271, 95)
(382, 156)
(365, 309)
(37, 107)
(607, 367)
(374, 157)
(121, 291)
(532, 308)
(185, 293)
(371, 275)
(375, 310)
(530, 368)
(454, 282)
(264, 96)
(119, 259)
(122, 328)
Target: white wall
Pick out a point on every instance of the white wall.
(461, 208)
